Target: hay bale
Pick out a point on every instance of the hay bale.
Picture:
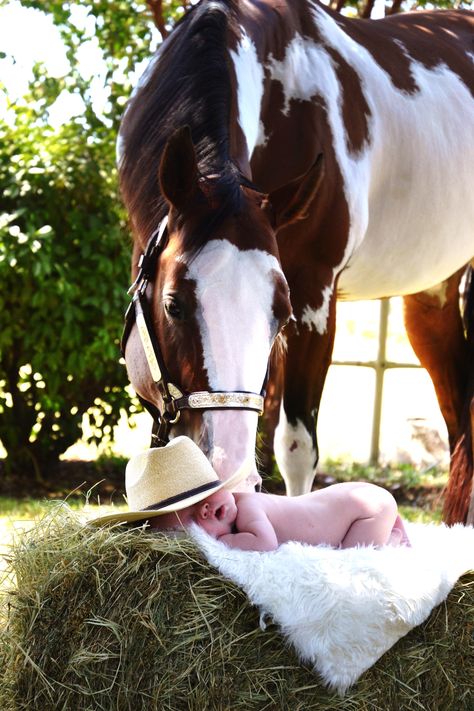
(125, 619)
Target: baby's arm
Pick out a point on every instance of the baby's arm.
(261, 538)
(255, 531)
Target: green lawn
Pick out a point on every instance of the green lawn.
(416, 514)
(405, 475)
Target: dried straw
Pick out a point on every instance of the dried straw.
(124, 620)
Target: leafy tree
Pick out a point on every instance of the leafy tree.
(64, 251)
(364, 8)
(63, 266)
(361, 8)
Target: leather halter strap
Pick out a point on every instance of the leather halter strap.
(174, 398)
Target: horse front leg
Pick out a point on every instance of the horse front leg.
(306, 364)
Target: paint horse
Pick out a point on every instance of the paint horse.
(276, 156)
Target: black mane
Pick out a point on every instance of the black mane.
(189, 84)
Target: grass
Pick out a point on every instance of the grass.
(17, 516)
(406, 475)
(394, 475)
(26, 509)
(417, 514)
(418, 491)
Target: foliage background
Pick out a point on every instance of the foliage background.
(64, 245)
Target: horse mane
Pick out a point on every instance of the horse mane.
(189, 84)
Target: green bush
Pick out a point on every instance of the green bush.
(64, 264)
(64, 244)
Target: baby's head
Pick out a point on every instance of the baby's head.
(174, 486)
(216, 515)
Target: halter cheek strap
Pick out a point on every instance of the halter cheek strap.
(174, 398)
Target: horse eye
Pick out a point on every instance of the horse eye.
(174, 309)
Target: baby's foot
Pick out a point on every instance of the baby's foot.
(399, 534)
(395, 537)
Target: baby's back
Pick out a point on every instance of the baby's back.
(344, 514)
(294, 518)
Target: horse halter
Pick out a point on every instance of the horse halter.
(174, 398)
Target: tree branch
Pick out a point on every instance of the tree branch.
(156, 7)
(395, 9)
(367, 9)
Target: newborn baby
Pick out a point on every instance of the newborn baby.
(174, 486)
(342, 515)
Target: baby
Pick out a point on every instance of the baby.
(342, 515)
(174, 486)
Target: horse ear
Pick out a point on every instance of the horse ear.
(178, 171)
(298, 204)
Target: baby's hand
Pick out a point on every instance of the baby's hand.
(264, 541)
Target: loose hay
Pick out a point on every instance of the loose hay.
(125, 619)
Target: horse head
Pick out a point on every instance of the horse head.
(216, 299)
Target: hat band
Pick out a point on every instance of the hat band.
(185, 495)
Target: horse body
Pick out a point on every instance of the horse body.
(361, 133)
(410, 154)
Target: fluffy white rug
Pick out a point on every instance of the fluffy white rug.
(342, 609)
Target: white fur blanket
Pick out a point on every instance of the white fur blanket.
(342, 609)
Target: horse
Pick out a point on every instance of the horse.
(275, 157)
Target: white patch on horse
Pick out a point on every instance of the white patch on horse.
(295, 72)
(249, 73)
(440, 292)
(262, 138)
(295, 455)
(308, 71)
(234, 293)
(421, 163)
(318, 318)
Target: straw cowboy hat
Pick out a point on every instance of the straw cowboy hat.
(167, 479)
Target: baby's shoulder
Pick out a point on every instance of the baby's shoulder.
(253, 497)
(255, 501)
(246, 498)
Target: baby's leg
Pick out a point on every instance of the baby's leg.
(374, 512)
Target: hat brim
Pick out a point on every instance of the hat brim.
(131, 516)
